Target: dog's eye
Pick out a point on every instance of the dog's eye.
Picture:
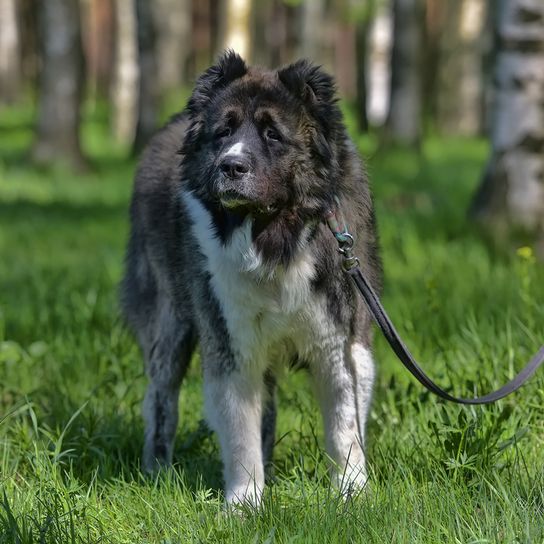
(271, 134)
(223, 132)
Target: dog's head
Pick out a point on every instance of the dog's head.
(263, 143)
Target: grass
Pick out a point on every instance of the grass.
(71, 380)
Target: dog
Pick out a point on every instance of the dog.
(229, 250)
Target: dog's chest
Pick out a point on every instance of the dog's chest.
(268, 313)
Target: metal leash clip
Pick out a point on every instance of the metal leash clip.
(345, 240)
(349, 260)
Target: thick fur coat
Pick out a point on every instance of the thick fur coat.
(229, 249)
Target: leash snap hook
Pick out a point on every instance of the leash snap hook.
(345, 247)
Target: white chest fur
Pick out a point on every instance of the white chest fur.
(265, 310)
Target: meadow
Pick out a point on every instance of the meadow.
(72, 381)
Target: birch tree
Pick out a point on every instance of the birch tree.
(126, 74)
(10, 59)
(511, 196)
(460, 89)
(235, 18)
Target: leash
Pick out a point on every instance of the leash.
(350, 264)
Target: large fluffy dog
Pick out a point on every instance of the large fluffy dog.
(229, 249)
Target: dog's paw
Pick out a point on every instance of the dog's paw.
(240, 497)
(352, 481)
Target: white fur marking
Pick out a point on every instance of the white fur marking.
(261, 306)
(236, 149)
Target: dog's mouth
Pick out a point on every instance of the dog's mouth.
(238, 204)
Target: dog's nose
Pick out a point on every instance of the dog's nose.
(234, 167)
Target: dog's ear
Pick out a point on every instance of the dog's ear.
(229, 67)
(317, 90)
(309, 83)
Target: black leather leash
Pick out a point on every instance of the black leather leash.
(350, 264)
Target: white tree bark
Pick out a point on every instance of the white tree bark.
(235, 21)
(512, 192)
(126, 73)
(460, 69)
(379, 66)
(10, 59)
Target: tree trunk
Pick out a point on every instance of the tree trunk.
(313, 17)
(10, 59)
(460, 68)
(380, 41)
(148, 103)
(235, 17)
(404, 124)
(173, 18)
(511, 196)
(124, 90)
(362, 54)
(98, 33)
(60, 88)
(202, 47)
(344, 53)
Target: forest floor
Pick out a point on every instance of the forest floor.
(71, 379)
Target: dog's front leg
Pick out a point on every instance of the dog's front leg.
(343, 381)
(233, 400)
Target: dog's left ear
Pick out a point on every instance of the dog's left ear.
(229, 67)
(309, 83)
(316, 89)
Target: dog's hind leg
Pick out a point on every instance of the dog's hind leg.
(268, 420)
(166, 364)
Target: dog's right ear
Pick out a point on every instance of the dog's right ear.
(229, 67)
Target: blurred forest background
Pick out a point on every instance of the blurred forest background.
(445, 100)
(406, 68)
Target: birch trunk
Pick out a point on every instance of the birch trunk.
(380, 41)
(60, 87)
(511, 196)
(126, 73)
(460, 95)
(10, 54)
(235, 17)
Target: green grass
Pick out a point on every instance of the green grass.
(71, 379)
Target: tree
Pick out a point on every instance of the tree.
(364, 16)
(60, 85)
(404, 124)
(511, 195)
(124, 90)
(148, 103)
(173, 17)
(235, 33)
(98, 34)
(460, 86)
(10, 60)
